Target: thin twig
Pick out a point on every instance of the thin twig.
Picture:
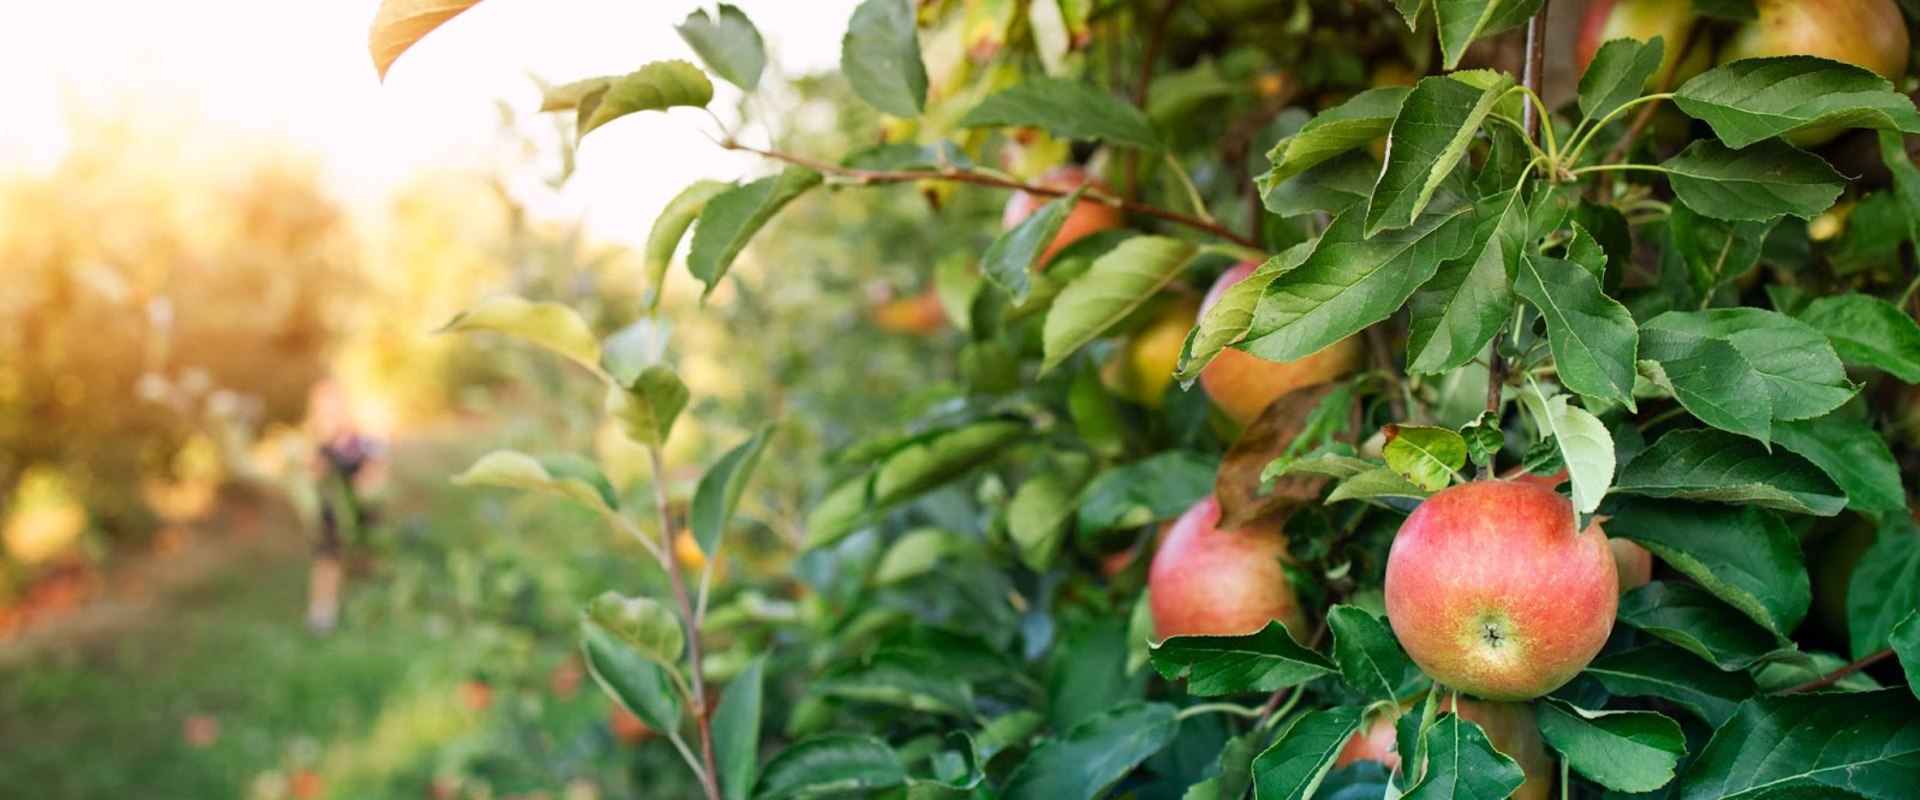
(1837, 675)
(702, 712)
(1143, 80)
(1534, 69)
(867, 176)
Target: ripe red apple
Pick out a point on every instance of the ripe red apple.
(1088, 217)
(1493, 591)
(1242, 385)
(1143, 368)
(1634, 563)
(1671, 20)
(1509, 726)
(1205, 581)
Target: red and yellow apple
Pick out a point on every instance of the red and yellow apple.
(1205, 581)
(1494, 592)
(1510, 728)
(1634, 562)
(1866, 33)
(1143, 368)
(1642, 20)
(918, 315)
(1242, 385)
(1088, 217)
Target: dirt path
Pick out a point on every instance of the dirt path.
(148, 587)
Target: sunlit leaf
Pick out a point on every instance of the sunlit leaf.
(400, 23)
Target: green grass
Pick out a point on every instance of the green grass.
(471, 584)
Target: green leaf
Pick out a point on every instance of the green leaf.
(1369, 656)
(1094, 755)
(1885, 587)
(1158, 487)
(719, 491)
(880, 56)
(1746, 557)
(655, 87)
(1716, 252)
(1294, 767)
(1905, 641)
(1378, 484)
(909, 470)
(1038, 513)
(1350, 281)
(1763, 182)
(548, 324)
(1011, 258)
(1868, 332)
(1626, 751)
(1353, 124)
(1264, 661)
(1232, 772)
(670, 227)
(1753, 99)
(1712, 380)
(728, 43)
(1804, 376)
(1427, 457)
(1068, 109)
(1228, 319)
(1842, 744)
(732, 217)
(736, 729)
(1854, 455)
(1694, 619)
(1459, 311)
(647, 406)
(1906, 179)
(831, 765)
(1717, 466)
(1430, 136)
(1662, 670)
(1116, 285)
(1460, 22)
(1463, 765)
(642, 623)
(1485, 439)
(569, 477)
(916, 553)
(1620, 69)
(1593, 338)
(569, 96)
(1332, 186)
(637, 683)
(1586, 447)
(901, 679)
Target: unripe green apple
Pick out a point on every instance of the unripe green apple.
(1671, 20)
(1243, 385)
(1510, 728)
(1865, 33)
(1494, 592)
(1088, 217)
(1205, 581)
(1143, 368)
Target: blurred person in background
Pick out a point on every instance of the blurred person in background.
(347, 467)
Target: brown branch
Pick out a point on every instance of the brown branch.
(1534, 69)
(1143, 80)
(867, 177)
(1839, 674)
(702, 710)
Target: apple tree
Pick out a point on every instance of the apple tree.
(1340, 413)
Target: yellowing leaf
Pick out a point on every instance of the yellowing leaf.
(400, 23)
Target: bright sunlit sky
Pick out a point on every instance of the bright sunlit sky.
(299, 71)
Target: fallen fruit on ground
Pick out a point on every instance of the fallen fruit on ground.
(1493, 591)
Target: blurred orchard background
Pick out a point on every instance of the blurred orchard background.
(207, 209)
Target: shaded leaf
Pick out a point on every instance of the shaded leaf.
(1458, 311)
(1068, 109)
(670, 227)
(1713, 380)
(639, 684)
(1298, 762)
(1885, 587)
(880, 55)
(1765, 181)
(1717, 466)
(1094, 755)
(1626, 751)
(831, 765)
(1011, 258)
(1869, 332)
(1690, 617)
(901, 679)
(736, 731)
(1804, 376)
(1264, 661)
(1746, 557)
(1463, 765)
(1369, 655)
(731, 218)
(1859, 744)
(1662, 670)
(718, 493)
(1854, 455)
